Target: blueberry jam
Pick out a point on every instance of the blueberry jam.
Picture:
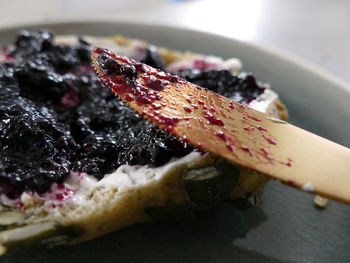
(241, 88)
(57, 116)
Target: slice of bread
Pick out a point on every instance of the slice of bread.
(131, 194)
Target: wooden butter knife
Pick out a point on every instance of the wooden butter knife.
(231, 130)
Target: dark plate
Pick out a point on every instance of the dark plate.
(286, 227)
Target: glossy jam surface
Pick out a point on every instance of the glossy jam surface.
(56, 116)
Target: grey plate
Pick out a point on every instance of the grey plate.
(286, 227)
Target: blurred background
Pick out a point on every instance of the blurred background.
(316, 30)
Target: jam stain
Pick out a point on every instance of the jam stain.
(249, 129)
(129, 98)
(266, 154)
(221, 135)
(188, 110)
(254, 118)
(261, 128)
(168, 121)
(230, 147)
(269, 140)
(212, 118)
(194, 106)
(291, 182)
(247, 149)
(155, 84)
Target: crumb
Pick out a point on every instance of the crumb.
(308, 187)
(320, 201)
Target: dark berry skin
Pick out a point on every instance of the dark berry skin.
(151, 57)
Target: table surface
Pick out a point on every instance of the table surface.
(314, 30)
